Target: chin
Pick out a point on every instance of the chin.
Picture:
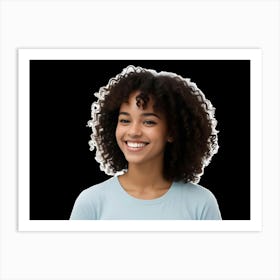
(132, 160)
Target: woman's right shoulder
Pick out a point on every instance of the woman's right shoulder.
(89, 202)
(98, 189)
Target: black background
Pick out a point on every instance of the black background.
(61, 164)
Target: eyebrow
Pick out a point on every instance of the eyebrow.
(143, 114)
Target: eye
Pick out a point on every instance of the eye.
(123, 121)
(149, 123)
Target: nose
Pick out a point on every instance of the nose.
(134, 130)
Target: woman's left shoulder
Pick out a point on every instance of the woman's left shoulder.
(201, 199)
(195, 190)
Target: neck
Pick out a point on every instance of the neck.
(145, 176)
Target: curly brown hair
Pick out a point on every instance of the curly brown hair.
(190, 119)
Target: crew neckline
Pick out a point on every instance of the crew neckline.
(131, 198)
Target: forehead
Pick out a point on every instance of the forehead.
(130, 107)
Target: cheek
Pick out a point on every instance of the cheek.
(161, 134)
(118, 133)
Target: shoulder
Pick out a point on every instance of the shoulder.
(97, 191)
(199, 198)
(194, 190)
(89, 203)
(100, 187)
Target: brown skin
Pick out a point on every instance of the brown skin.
(148, 129)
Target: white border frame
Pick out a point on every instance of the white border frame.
(254, 55)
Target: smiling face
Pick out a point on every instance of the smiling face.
(141, 133)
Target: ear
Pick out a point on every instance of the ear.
(170, 139)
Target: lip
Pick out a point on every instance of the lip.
(135, 146)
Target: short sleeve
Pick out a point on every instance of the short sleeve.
(211, 209)
(83, 208)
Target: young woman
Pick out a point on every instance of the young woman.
(154, 133)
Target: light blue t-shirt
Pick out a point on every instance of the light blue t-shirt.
(109, 201)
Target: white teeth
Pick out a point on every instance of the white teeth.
(135, 145)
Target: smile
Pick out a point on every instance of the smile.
(135, 146)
